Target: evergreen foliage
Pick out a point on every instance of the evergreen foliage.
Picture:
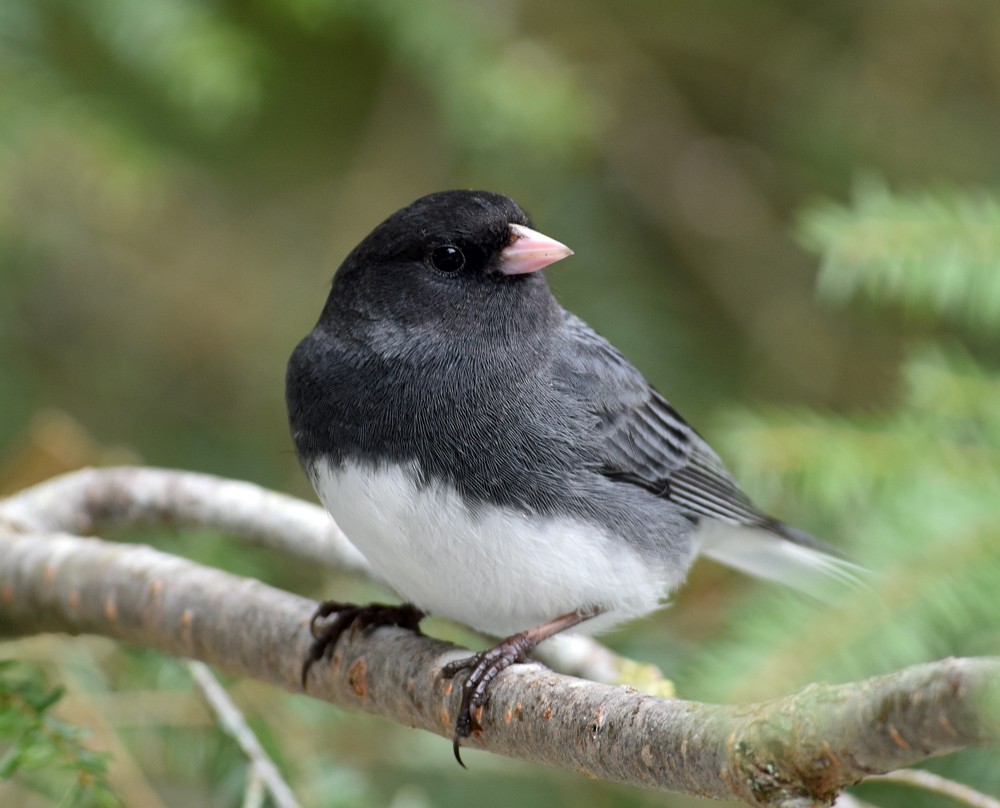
(936, 253)
(43, 752)
(913, 492)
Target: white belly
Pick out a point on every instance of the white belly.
(491, 568)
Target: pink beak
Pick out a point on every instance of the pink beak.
(530, 251)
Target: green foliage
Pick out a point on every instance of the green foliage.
(914, 495)
(207, 68)
(937, 253)
(493, 95)
(912, 492)
(212, 71)
(43, 752)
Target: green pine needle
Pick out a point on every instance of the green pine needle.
(44, 753)
(935, 253)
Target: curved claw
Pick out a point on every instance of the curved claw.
(374, 614)
(472, 698)
(485, 667)
(325, 609)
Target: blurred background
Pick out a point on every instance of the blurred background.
(785, 213)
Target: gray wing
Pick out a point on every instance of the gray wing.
(644, 441)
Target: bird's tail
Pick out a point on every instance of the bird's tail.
(778, 552)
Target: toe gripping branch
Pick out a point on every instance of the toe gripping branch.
(485, 666)
(348, 615)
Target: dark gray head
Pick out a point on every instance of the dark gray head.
(432, 342)
(449, 258)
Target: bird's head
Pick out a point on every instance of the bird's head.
(448, 258)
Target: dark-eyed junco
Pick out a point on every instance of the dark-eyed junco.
(496, 460)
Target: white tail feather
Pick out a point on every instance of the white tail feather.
(764, 554)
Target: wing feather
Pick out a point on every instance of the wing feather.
(644, 441)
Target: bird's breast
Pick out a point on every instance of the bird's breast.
(493, 567)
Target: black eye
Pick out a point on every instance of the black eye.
(447, 258)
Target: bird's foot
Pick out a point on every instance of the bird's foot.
(347, 615)
(485, 666)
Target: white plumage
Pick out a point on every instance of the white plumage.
(490, 567)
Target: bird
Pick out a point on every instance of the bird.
(497, 461)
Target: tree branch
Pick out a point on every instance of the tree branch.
(263, 769)
(800, 749)
(93, 501)
(918, 778)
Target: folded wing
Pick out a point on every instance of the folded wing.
(644, 441)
